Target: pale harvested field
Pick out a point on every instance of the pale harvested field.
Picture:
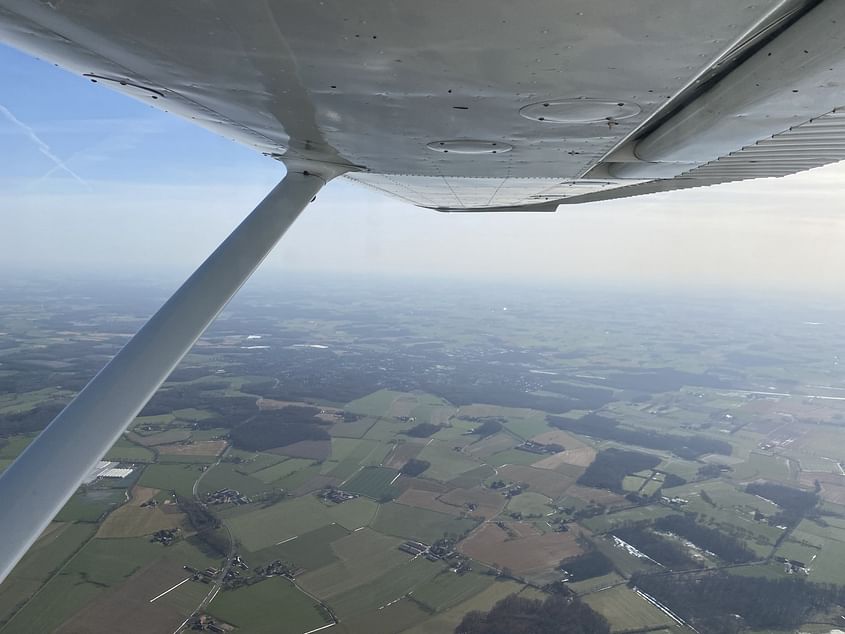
(422, 484)
(550, 483)
(428, 500)
(402, 405)
(131, 520)
(490, 445)
(489, 503)
(589, 494)
(479, 410)
(833, 485)
(582, 457)
(442, 415)
(270, 404)
(531, 555)
(402, 453)
(561, 438)
(198, 448)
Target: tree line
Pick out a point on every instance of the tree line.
(279, 428)
(517, 615)
(689, 447)
(612, 465)
(726, 547)
(712, 601)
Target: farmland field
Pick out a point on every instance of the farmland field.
(448, 589)
(179, 478)
(265, 527)
(626, 610)
(417, 523)
(359, 377)
(364, 556)
(310, 550)
(273, 606)
(395, 583)
(446, 463)
(132, 520)
(534, 555)
(374, 482)
(53, 548)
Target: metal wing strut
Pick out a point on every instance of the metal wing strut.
(36, 486)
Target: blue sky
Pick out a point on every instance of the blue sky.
(92, 181)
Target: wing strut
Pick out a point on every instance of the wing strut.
(36, 486)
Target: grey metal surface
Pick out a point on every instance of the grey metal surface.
(36, 486)
(373, 84)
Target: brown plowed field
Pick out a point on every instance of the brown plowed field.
(488, 503)
(531, 555)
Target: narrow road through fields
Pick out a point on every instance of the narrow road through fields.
(217, 585)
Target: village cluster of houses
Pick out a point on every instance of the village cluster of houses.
(205, 576)
(330, 494)
(165, 536)
(793, 566)
(539, 448)
(205, 623)
(226, 496)
(441, 550)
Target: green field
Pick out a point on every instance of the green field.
(273, 606)
(473, 477)
(101, 564)
(512, 456)
(125, 451)
(396, 617)
(530, 505)
(416, 523)
(448, 589)
(374, 482)
(528, 426)
(829, 561)
(626, 610)
(609, 521)
(178, 478)
(175, 458)
(225, 475)
(386, 429)
(281, 469)
(252, 462)
(762, 466)
(447, 621)
(353, 455)
(633, 483)
(261, 528)
(310, 551)
(88, 505)
(48, 554)
(166, 437)
(446, 463)
(12, 446)
(352, 429)
(363, 556)
(376, 404)
(390, 586)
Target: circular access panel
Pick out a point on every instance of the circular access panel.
(580, 110)
(469, 146)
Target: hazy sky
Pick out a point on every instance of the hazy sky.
(93, 181)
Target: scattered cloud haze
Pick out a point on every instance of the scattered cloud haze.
(92, 182)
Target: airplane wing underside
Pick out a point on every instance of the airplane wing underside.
(476, 105)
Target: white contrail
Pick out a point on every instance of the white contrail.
(42, 147)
